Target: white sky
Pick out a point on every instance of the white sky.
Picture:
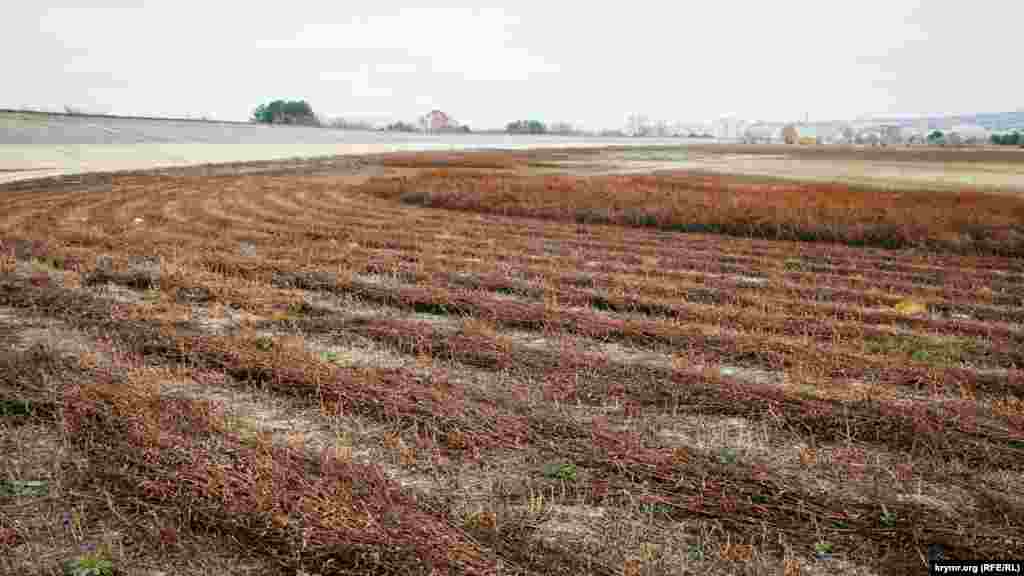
(590, 63)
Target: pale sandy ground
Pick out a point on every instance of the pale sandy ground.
(909, 174)
(21, 161)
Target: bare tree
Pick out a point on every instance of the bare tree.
(893, 135)
(346, 124)
(563, 128)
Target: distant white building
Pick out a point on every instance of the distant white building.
(729, 127)
(834, 133)
(891, 134)
(838, 133)
(923, 128)
(868, 137)
(762, 133)
(914, 134)
(967, 134)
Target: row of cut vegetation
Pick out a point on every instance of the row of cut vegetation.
(962, 222)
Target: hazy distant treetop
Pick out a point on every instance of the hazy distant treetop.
(285, 112)
(561, 128)
(347, 124)
(402, 127)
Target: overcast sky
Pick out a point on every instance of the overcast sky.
(590, 63)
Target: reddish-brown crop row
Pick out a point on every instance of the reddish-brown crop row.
(966, 221)
(339, 228)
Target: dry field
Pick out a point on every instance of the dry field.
(469, 364)
(979, 155)
(996, 169)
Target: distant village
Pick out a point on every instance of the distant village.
(864, 133)
(950, 130)
(972, 130)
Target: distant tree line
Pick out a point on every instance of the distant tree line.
(401, 127)
(1013, 139)
(347, 124)
(526, 127)
(285, 112)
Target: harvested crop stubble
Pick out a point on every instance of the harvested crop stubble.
(748, 339)
(177, 452)
(964, 221)
(919, 427)
(540, 430)
(128, 400)
(585, 349)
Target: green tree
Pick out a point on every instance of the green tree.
(262, 114)
(401, 127)
(936, 135)
(285, 112)
(1010, 139)
(297, 109)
